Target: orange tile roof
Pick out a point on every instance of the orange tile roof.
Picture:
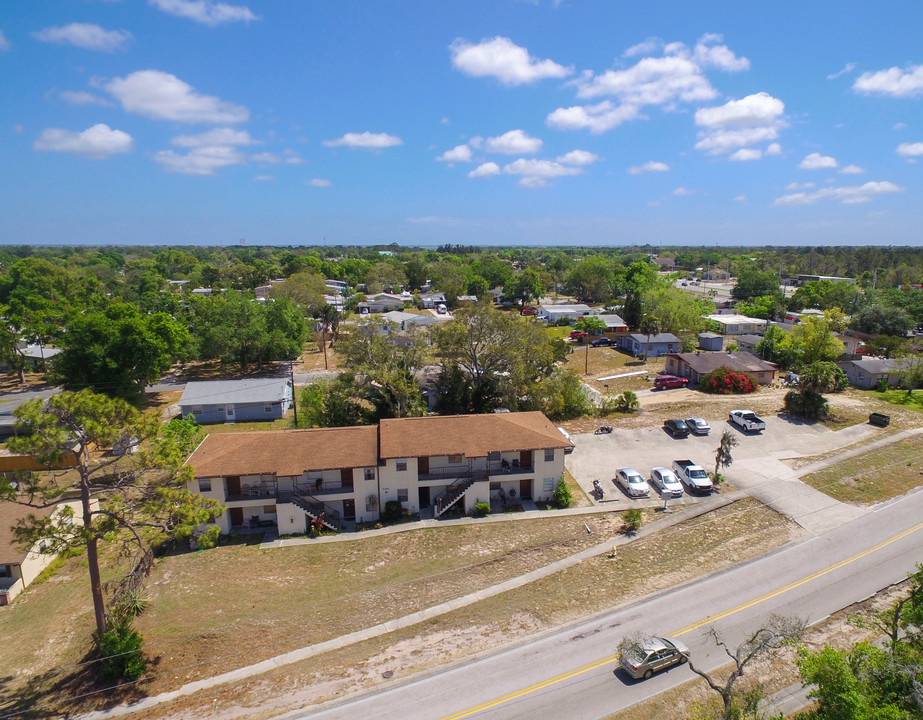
(468, 435)
(285, 452)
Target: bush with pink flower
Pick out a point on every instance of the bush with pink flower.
(724, 381)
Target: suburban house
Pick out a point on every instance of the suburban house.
(428, 301)
(614, 324)
(336, 477)
(733, 324)
(695, 365)
(407, 320)
(381, 302)
(227, 401)
(553, 313)
(653, 345)
(747, 342)
(716, 275)
(866, 373)
(666, 264)
(18, 567)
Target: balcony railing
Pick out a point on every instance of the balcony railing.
(452, 472)
(509, 468)
(320, 487)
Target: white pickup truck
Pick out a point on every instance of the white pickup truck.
(692, 476)
(747, 420)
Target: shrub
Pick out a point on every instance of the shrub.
(562, 496)
(627, 402)
(481, 509)
(393, 511)
(806, 404)
(724, 381)
(633, 520)
(120, 648)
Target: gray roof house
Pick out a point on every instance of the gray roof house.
(407, 320)
(553, 313)
(867, 372)
(380, 302)
(696, 364)
(654, 345)
(228, 401)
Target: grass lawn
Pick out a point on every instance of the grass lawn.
(874, 476)
(215, 610)
(911, 401)
(609, 361)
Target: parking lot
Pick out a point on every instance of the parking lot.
(596, 457)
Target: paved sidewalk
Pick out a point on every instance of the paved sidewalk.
(666, 520)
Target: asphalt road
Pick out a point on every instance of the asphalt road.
(569, 674)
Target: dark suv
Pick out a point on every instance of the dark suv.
(676, 428)
(602, 342)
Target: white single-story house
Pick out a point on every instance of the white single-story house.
(407, 320)
(733, 324)
(614, 324)
(429, 301)
(381, 302)
(866, 373)
(335, 477)
(227, 401)
(553, 313)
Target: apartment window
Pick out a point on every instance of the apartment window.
(267, 408)
(205, 486)
(549, 454)
(455, 459)
(196, 409)
(548, 485)
(370, 473)
(402, 495)
(6, 571)
(400, 464)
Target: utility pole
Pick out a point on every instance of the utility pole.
(291, 370)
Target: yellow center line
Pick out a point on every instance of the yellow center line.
(712, 618)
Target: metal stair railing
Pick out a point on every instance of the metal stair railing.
(318, 511)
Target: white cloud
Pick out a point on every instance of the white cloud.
(578, 157)
(99, 141)
(79, 97)
(595, 118)
(86, 36)
(816, 161)
(852, 170)
(365, 140)
(773, 149)
(649, 166)
(799, 186)
(740, 123)
(292, 158)
(893, 82)
(719, 56)
(266, 158)
(745, 155)
(652, 81)
(644, 48)
(536, 172)
(514, 142)
(318, 182)
(205, 11)
(4, 43)
(162, 96)
(848, 68)
(217, 136)
(849, 195)
(900, 126)
(910, 149)
(740, 198)
(487, 169)
(501, 58)
(460, 153)
(683, 192)
(200, 160)
(263, 178)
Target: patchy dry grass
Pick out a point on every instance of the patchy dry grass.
(874, 476)
(210, 611)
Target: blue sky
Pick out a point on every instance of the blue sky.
(578, 122)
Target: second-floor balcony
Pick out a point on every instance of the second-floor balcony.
(509, 467)
(323, 487)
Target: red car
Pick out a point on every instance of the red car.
(577, 335)
(528, 311)
(662, 382)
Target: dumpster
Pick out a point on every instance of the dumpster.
(879, 419)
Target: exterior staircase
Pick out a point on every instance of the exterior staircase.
(451, 495)
(318, 511)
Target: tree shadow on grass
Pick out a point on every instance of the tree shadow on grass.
(56, 694)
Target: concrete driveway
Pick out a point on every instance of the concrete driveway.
(758, 466)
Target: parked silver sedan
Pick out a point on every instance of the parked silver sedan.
(698, 426)
(633, 482)
(666, 482)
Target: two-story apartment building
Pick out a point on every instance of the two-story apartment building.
(339, 476)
